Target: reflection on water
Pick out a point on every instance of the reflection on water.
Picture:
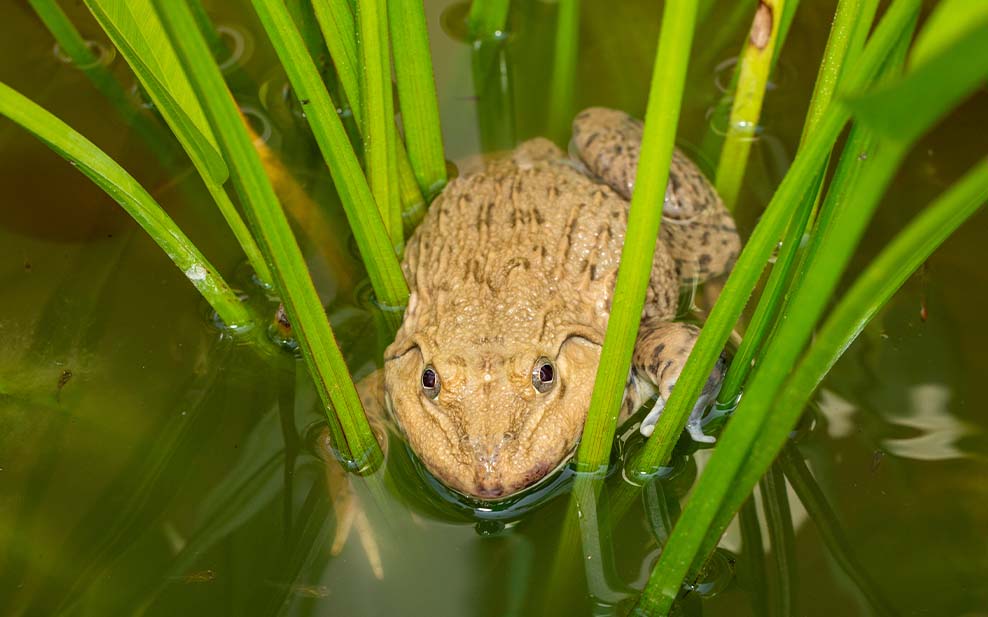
(149, 466)
(939, 431)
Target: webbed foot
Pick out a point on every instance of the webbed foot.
(660, 355)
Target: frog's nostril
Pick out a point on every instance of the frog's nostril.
(492, 491)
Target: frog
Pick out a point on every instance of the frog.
(511, 276)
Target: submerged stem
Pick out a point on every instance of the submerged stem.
(644, 218)
(487, 18)
(827, 523)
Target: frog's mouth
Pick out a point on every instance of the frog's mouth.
(509, 506)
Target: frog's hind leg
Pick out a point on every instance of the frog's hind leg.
(534, 150)
(697, 229)
(660, 353)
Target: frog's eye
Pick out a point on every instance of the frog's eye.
(430, 382)
(543, 375)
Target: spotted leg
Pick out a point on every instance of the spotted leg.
(660, 353)
(696, 227)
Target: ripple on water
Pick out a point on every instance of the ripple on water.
(103, 55)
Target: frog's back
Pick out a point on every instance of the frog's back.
(529, 231)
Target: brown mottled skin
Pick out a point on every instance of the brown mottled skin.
(514, 267)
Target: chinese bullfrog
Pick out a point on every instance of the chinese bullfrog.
(512, 276)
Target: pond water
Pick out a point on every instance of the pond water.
(151, 465)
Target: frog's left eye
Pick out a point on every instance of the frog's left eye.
(430, 382)
(543, 375)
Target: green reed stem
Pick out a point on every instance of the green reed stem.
(796, 185)
(417, 94)
(126, 191)
(644, 218)
(487, 18)
(849, 17)
(168, 88)
(778, 521)
(377, 111)
(880, 106)
(845, 180)
(811, 293)
(892, 267)
(830, 528)
(369, 230)
(335, 19)
(75, 47)
(754, 67)
(823, 266)
(862, 302)
(562, 84)
(309, 322)
(136, 31)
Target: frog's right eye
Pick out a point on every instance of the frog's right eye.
(430, 382)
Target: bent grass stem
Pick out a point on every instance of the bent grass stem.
(352, 434)
(132, 197)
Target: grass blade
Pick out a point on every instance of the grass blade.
(661, 118)
(849, 16)
(748, 434)
(368, 228)
(319, 348)
(76, 48)
(795, 186)
(127, 192)
(905, 108)
(136, 31)
(417, 94)
(700, 525)
(335, 19)
(870, 292)
(377, 111)
(754, 67)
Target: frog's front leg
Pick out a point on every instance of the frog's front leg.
(660, 354)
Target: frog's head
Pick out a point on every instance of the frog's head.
(490, 417)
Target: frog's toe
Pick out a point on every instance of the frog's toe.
(707, 397)
(648, 424)
(695, 429)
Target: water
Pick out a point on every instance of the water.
(143, 454)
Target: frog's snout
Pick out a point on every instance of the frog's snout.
(491, 491)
